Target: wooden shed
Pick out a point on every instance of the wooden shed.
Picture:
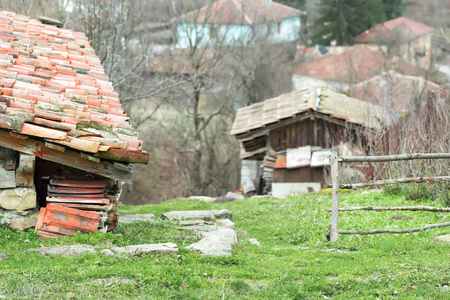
(292, 135)
(65, 142)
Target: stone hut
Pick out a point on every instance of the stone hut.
(66, 144)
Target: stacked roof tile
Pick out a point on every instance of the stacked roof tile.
(53, 87)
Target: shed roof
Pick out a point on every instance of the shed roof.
(400, 29)
(54, 88)
(240, 12)
(320, 101)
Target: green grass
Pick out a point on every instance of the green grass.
(377, 266)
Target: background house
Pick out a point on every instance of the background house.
(340, 69)
(292, 135)
(239, 23)
(409, 39)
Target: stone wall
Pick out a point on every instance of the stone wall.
(17, 191)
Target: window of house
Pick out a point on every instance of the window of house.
(279, 27)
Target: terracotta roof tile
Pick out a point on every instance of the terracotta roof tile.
(400, 29)
(355, 65)
(53, 87)
(241, 12)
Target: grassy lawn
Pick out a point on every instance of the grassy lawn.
(294, 261)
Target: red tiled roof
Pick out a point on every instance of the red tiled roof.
(400, 29)
(354, 65)
(241, 12)
(402, 90)
(53, 87)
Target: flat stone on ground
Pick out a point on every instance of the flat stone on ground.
(165, 248)
(223, 199)
(109, 253)
(192, 222)
(223, 214)
(72, 250)
(227, 223)
(216, 243)
(202, 198)
(127, 219)
(207, 215)
(443, 238)
(234, 196)
(194, 214)
(3, 256)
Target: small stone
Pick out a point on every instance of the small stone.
(3, 256)
(235, 196)
(243, 235)
(254, 242)
(127, 219)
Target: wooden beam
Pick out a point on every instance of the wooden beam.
(393, 157)
(377, 231)
(355, 186)
(335, 198)
(388, 208)
(69, 158)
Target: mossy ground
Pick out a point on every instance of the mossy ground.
(381, 266)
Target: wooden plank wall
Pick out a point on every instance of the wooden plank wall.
(303, 134)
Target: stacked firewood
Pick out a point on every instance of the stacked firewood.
(268, 164)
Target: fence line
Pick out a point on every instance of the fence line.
(334, 232)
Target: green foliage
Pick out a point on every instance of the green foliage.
(299, 4)
(393, 8)
(342, 20)
(373, 13)
(294, 260)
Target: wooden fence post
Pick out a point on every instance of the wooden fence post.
(335, 197)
